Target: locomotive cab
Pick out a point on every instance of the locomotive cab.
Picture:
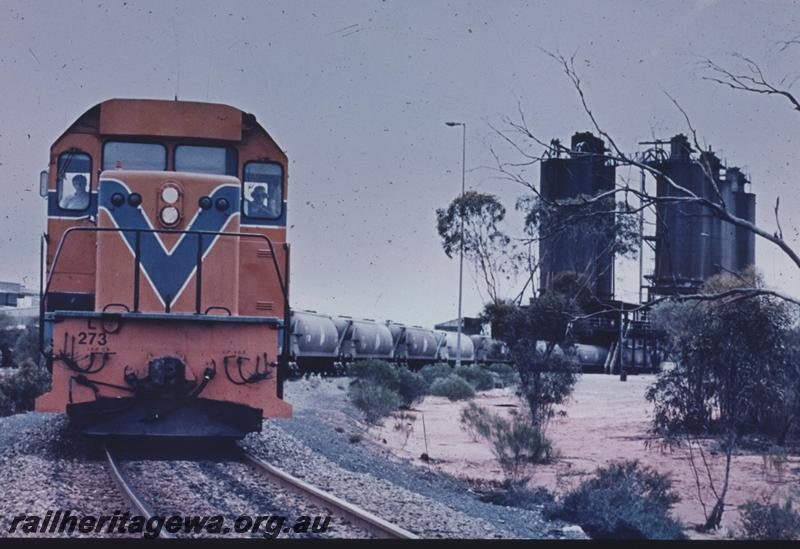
(167, 271)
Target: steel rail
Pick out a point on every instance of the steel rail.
(358, 516)
(128, 492)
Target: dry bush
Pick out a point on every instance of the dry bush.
(515, 442)
(452, 387)
(476, 376)
(622, 501)
(766, 520)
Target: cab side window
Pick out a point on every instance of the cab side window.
(74, 181)
(262, 190)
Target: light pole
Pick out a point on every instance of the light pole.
(461, 257)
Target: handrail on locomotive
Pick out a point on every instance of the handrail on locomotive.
(284, 359)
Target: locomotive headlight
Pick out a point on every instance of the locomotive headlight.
(170, 215)
(117, 200)
(222, 204)
(170, 195)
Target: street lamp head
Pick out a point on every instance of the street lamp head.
(451, 124)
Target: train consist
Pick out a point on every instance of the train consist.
(165, 307)
(325, 345)
(166, 267)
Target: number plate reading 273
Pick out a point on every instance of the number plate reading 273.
(92, 338)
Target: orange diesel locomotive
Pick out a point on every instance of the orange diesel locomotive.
(167, 271)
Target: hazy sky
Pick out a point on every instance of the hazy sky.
(357, 93)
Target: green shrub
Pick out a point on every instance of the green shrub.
(378, 372)
(374, 401)
(412, 387)
(622, 501)
(505, 373)
(432, 372)
(515, 442)
(452, 387)
(479, 378)
(19, 390)
(26, 346)
(770, 521)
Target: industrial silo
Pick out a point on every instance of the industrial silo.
(743, 204)
(688, 234)
(692, 242)
(569, 247)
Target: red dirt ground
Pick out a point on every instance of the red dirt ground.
(606, 420)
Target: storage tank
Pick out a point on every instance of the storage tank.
(447, 347)
(590, 356)
(488, 350)
(313, 335)
(693, 243)
(687, 234)
(364, 339)
(413, 344)
(583, 171)
(420, 345)
(743, 243)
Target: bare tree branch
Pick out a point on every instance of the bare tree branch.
(755, 82)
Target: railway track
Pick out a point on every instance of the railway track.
(354, 514)
(127, 490)
(370, 522)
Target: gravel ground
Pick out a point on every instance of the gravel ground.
(229, 489)
(45, 465)
(13, 427)
(316, 445)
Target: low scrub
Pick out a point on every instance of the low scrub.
(412, 387)
(452, 387)
(622, 501)
(766, 520)
(374, 401)
(19, 390)
(476, 376)
(432, 372)
(515, 442)
(378, 372)
(505, 374)
(379, 388)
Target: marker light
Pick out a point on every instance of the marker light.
(222, 204)
(170, 195)
(117, 200)
(170, 215)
